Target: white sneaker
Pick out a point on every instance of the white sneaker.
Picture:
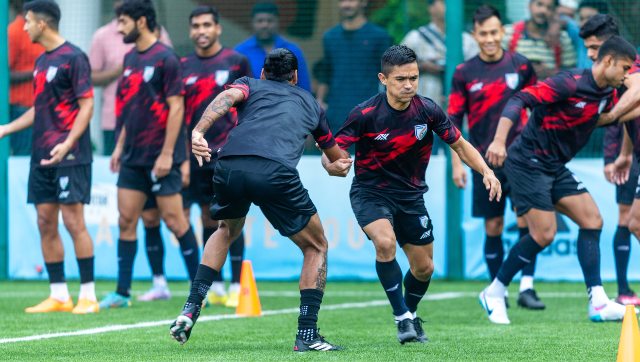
(611, 311)
(495, 307)
(155, 293)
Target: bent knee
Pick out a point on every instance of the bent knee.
(385, 248)
(494, 226)
(423, 270)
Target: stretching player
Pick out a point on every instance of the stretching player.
(481, 88)
(393, 134)
(60, 175)
(566, 110)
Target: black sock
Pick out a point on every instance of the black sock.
(493, 254)
(310, 300)
(621, 253)
(390, 276)
(56, 272)
(520, 255)
(126, 255)
(155, 249)
(201, 284)
(85, 267)
(206, 234)
(589, 255)
(236, 251)
(529, 269)
(414, 290)
(190, 252)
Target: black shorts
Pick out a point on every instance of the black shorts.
(200, 189)
(626, 192)
(484, 208)
(409, 218)
(139, 178)
(532, 188)
(59, 185)
(239, 181)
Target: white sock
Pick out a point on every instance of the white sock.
(496, 289)
(59, 291)
(234, 288)
(526, 282)
(88, 291)
(414, 315)
(218, 288)
(159, 281)
(405, 315)
(597, 295)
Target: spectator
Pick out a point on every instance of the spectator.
(428, 41)
(106, 57)
(265, 22)
(566, 15)
(22, 57)
(586, 10)
(548, 54)
(352, 52)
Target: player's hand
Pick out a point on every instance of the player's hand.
(459, 176)
(57, 154)
(492, 184)
(621, 169)
(114, 163)
(185, 171)
(496, 153)
(340, 167)
(605, 118)
(200, 147)
(163, 164)
(609, 170)
(3, 131)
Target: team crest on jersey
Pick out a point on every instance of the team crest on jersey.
(512, 80)
(424, 221)
(51, 73)
(148, 73)
(127, 72)
(222, 76)
(192, 80)
(64, 182)
(603, 103)
(420, 131)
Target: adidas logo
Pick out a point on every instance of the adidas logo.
(381, 137)
(476, 87)
(581, 105)
(425, 235)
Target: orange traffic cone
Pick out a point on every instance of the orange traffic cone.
(629, 347)
(249, 302)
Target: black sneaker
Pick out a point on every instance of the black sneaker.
(506, 302)
(420, 336)
(406, 331)
(529, 299)
(317, 344)
(181, 328)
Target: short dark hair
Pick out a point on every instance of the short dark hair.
(396, 55)
(601, 6)
(265, 7)
(47, 10)
(601, 26)
(484, 13)
(135, 9)
(280, 64)
(204, 9)
(556, 3)
(618, 47)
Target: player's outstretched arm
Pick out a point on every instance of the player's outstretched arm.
(218, 108)
(20, 123)
(629, 101)
(497, 150)
(472, 158)
(80, 125)
(336, 161)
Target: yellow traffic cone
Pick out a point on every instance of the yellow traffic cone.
(249, 303)
(629, 347)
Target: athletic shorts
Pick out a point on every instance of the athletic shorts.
(626, 192)
(409, 218)
(484, 208)
(532, 188)
(59, 185)
(200, 189)
(139, 178)
(239, 181)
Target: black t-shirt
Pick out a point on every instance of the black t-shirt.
(274, 121)
(566, 108)
(148, 79)
(393, 147)
(204, 79)
(481, 90)
(60, 78)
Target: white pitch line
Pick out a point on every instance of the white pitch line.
(185, 293)
(167, 322)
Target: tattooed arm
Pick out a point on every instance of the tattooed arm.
(217, 109)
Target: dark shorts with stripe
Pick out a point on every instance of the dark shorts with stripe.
(59, 185)
(484, 208)
(626, 192)
(139, 178)
(408, 216)
(239, 181)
